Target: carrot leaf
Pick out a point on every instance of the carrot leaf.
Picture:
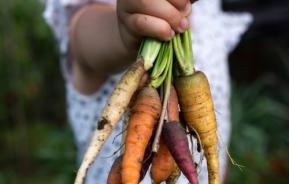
(149, 51)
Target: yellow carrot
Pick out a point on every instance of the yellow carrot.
(198, 111)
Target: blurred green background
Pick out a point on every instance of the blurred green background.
(36, 142)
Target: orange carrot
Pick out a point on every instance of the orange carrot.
(144, 115)
(162, 165)
(173, 178)
(173, 106)
(163, 162)
(198, 111)
(114, 176)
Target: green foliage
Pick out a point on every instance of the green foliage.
(36, 145)
(38, 153)
(260, 116)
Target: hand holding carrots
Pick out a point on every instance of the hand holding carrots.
(158, 19)
(169, 63)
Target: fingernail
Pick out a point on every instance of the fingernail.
(184, 24)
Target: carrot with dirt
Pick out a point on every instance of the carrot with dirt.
(177, 142)
(196, 104)
(144, 115)
(173, 178)
(198, 111)
(114, 176)
(163, 162)
(111, 114)
(118, 103)
(162, 165)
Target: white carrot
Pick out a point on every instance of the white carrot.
(111, 114)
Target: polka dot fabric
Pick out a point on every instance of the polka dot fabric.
(214, 35)
(83, 112)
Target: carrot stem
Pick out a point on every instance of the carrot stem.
(162, 60)
(149, 51)
(156, 83)
(188, 49)
(167, 89)
(179, 51)
(183, 50)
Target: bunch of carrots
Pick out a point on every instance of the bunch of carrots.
(174, 102)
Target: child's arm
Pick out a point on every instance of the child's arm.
(104, 40)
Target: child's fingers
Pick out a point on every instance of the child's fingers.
(183, 6)
(180, 4)
(161, 9)
(146, 25)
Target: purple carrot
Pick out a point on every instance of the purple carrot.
(177, 142)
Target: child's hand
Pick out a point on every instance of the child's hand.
(154, 18)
